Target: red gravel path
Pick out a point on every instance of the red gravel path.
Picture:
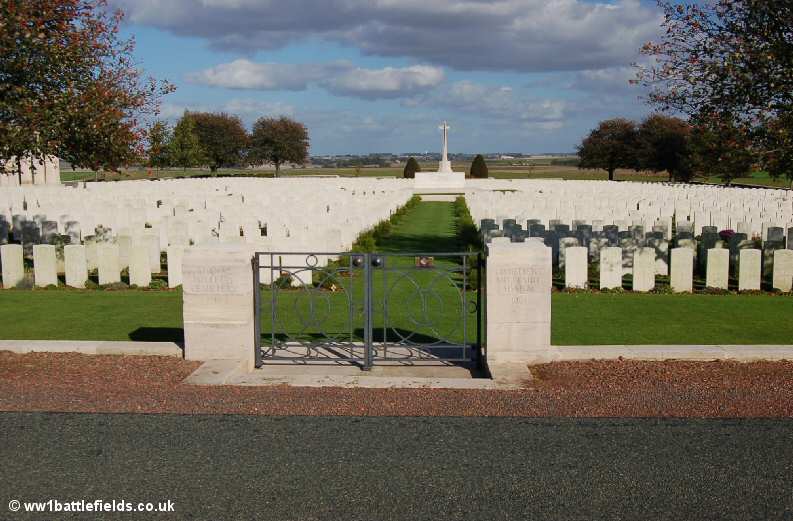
(80, 383)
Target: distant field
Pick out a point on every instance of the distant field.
(522, 169)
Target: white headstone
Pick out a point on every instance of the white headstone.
(108, 263)
(576, 267)
(139, 263)
(750, 264)
(611, 270)
(681, 280)
(13, 265)
(644, 269)
(45, 271)
(76, 265)
(124, 250)
(175, 259)
(718, 268)
(783, 270)
(152, 242)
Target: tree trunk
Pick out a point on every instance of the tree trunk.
(277, 168)
(19, 170)
(611, 174)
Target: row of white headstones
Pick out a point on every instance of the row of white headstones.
(749, 269)
(652, 206)
(115, 226)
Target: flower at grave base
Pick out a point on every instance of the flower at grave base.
(726, 235)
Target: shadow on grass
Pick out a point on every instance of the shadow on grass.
(158, 334)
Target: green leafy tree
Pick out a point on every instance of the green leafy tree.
(777, 147)
(479, 167)
(722, 149)
(184, 148)
(411, 167)
(663, 144)
(277, 141)
(158, 137)
(222, 137)
(69, 86)
(610, 146)
(731, 60)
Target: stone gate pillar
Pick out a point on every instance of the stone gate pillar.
(519, 279)
(218, 309)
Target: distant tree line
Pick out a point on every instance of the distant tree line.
(667, 144)
(216, 140)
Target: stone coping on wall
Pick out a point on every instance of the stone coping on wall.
(92, 347)
(701, 352)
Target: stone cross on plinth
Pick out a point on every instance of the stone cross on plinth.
(445, 164)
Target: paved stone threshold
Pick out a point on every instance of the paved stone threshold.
(232, 372)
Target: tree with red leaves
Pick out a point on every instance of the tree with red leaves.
(69, 86)
(728, 64)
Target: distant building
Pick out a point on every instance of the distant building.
(33, 171)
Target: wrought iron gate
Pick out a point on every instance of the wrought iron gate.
(365, 308)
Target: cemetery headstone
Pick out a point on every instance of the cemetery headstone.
(76, 265)
(576, 267)
(682, 277)
(611, 269)
(44, 265)
(749, 270)
(783, 270)
(718, 272)
(108, 263)
(644, 270)
(13, 268)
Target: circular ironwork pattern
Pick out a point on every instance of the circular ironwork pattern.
(303, 316)
(423, 309)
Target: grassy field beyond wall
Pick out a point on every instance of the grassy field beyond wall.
(500, 169)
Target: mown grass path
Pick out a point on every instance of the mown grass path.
(429, 227)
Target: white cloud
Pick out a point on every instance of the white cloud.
(247, 109)
(501, 103)
(340, 78)
(245, 74)
(389, 82)
(516, 35)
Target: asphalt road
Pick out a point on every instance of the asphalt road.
(239, 467)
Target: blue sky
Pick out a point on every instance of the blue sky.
(379, 75)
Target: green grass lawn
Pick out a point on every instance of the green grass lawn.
(90, 315)
(602, 319)
(578, 318)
